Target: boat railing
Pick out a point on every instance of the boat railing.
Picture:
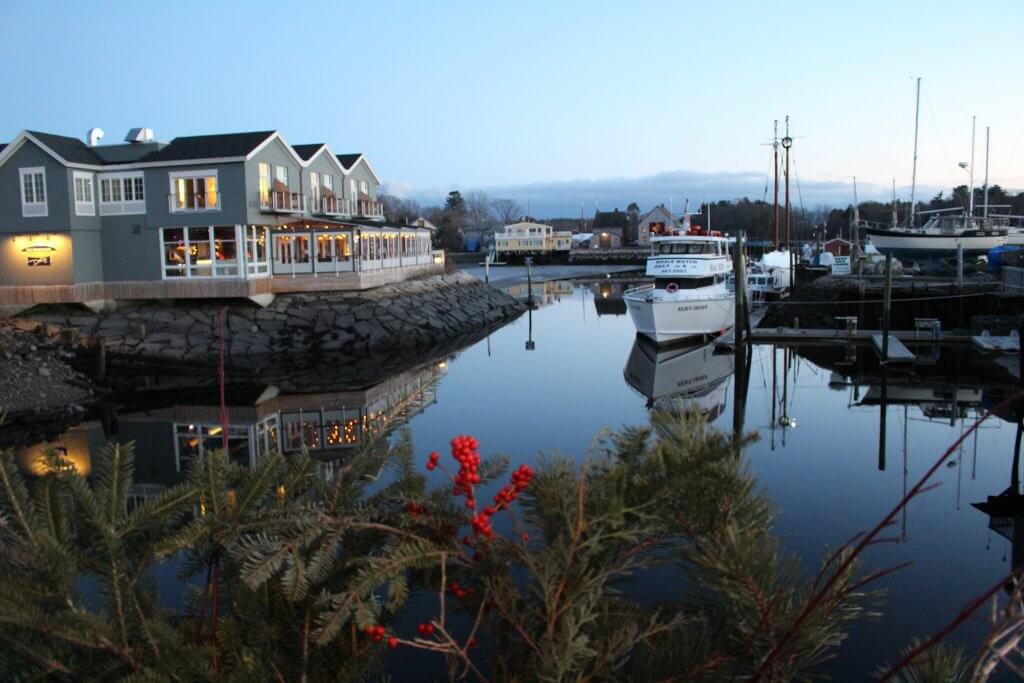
(638, 289)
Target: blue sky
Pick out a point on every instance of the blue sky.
(544, 101)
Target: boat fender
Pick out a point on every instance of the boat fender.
(671, 288)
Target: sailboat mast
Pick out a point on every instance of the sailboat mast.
(913, 174)
(856, 204)
(988, 130)
(894, 216)
(970, 201)
(787, 142)
(775, 210)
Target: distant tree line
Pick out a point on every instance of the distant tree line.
(477, 211)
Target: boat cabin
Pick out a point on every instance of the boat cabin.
(689, 261)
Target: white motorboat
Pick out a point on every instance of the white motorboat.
(690, 376)
(689, 297)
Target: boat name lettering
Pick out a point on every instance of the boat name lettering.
(692, 308)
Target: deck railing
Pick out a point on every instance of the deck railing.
(283, 201)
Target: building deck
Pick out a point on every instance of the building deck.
(210, 288)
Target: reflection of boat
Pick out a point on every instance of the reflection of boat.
(689, 297)
(693, 375)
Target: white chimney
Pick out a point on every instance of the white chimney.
(94, 136)
(139, 135)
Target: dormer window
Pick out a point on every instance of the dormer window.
(33, 192)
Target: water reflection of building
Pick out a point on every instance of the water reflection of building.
(691, 376)
(608, 298)
(261, 421)
(544, 293)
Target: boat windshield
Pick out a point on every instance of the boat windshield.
(688, 248)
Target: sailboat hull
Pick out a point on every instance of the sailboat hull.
(910, 245)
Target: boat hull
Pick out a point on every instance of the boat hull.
(669, 319)
(908, 245)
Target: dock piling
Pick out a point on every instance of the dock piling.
(886, 305)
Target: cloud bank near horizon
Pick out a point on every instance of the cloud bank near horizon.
(562, 199)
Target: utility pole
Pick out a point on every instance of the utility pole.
(787, 143)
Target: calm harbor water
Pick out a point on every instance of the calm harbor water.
(554, 378)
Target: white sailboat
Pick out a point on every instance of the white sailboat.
(947, 231)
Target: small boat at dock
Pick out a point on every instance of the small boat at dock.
(689, 297)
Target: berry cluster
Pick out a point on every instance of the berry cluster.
(434, 458)
(464, 450)
(415, 509)
(508, 493)
(377, 633)
(459, 592)
(425, 629)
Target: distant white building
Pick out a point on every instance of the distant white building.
(532, 238)
(422, 222)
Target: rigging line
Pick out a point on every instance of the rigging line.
(799, 194)
(880, 301)
(938, 131)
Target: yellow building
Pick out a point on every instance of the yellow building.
(532, 238)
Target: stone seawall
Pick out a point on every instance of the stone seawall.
(407, 315)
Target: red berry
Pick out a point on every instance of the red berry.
(369, 630)
(392, 642)
(428, 629)
(431, 465)
(472, 641)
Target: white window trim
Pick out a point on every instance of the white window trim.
(33, 209)
(241, 263)
(85, 207)
(177, 175)
(120, 207)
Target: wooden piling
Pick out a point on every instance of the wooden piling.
(740, 277)
(886, 306)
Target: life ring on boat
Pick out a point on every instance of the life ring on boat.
(671, 288)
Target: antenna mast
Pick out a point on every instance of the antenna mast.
(913, 174)
(970, 201)
(987, 131)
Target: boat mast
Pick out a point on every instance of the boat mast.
(970, 201)
(775, 148)
(988, 129)
(913, 174)
(856, 204)
(894, 216)
(787, 142)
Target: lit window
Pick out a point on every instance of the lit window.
(264, 184)
(194, 191)
(314, 186)
(202, 252)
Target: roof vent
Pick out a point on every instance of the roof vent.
(94, 136)
(139, 135)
